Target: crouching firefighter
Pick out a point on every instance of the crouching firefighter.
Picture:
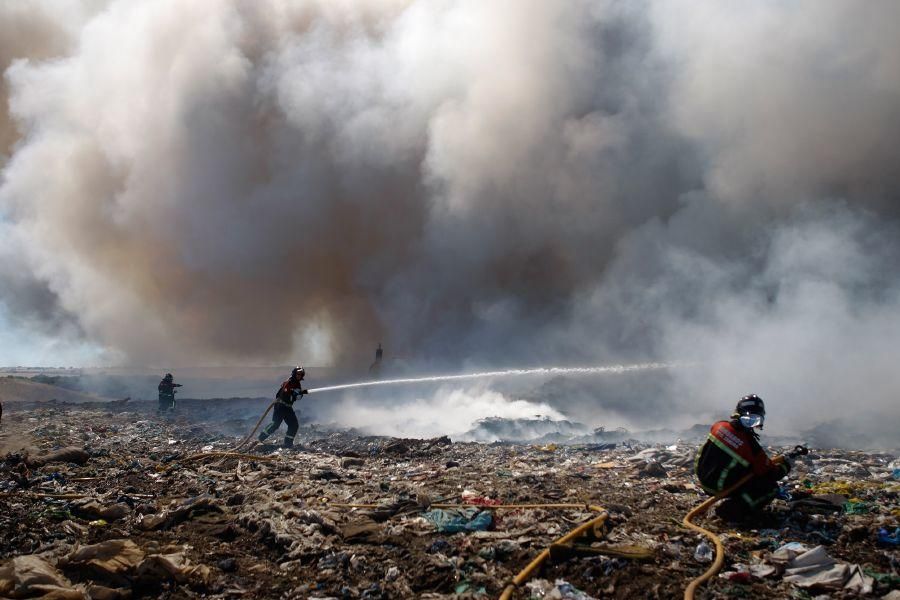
(287, 394)
(732, 451)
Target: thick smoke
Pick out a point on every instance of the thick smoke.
(445, 411)
(470, 183)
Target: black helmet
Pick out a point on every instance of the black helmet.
(298, 372)
(751, 410)
(168, 376)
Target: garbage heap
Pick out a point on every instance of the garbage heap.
(117, 504)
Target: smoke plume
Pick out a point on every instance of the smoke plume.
(470, 183)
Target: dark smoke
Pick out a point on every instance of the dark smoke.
(470, 183)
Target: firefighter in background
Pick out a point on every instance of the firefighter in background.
(166, 389)
(375, 368)
(283, 411)
(732, 451)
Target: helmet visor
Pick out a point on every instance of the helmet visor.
(751, 420)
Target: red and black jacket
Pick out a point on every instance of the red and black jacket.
(289, 391)
(730, 452)
(167, 387)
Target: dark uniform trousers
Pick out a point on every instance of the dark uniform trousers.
(166, 400)
(282, 413)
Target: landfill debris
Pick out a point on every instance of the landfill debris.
(355, 516)
(456, 520)
(77, 456)
(886, 538)
(31, 576)
(558, 590)
(814, 568)
(703, 553)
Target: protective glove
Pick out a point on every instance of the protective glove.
(302, 392)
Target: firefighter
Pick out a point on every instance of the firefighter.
(732, 451)
(375, 367)
(167, 393)
(285, 397)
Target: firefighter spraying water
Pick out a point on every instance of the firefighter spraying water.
(291, 390)
(283, 412)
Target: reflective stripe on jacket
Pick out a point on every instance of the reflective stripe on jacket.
(730, 452)
(288, 393)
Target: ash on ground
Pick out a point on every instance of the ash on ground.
(110, 501)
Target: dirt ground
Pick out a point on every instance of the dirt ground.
(150, 510)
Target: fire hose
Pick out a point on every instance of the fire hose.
(701, 509)
(250, 435)
(233, 452)
(593, 528)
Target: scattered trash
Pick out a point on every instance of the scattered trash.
(109, 560)
(368, 517)
(703, 553)
(854, 507)
(28, 576)
(76, 456)
(885, 538)
(558, 590)
(457, 520)
(816, 569)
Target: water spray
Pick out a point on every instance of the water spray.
(479, 375)
(506, 373)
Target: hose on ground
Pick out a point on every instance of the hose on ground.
(701, 509)
(482, 506)
(250, 435)
(525, 573)
(233, 452)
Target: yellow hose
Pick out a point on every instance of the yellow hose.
(525, 573)
(716, 566)
(523, 576)
(233, 452)
(485, 507)
(250, 435)
(720, 550)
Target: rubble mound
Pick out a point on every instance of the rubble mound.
(539, 429)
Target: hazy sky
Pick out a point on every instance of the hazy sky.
(471, 183)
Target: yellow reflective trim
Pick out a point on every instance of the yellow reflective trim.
(734, 455)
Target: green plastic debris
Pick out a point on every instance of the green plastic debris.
(456, 520)
(888, 580)
(856, 508)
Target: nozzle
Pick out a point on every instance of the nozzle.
(798, 451)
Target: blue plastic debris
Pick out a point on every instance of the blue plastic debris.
(887, 539)
(784, 493)
(456, 520)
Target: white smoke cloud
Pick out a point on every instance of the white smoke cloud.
(787, 102)
(807, 320)
(446, 411)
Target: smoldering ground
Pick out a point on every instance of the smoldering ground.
(474, 184)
